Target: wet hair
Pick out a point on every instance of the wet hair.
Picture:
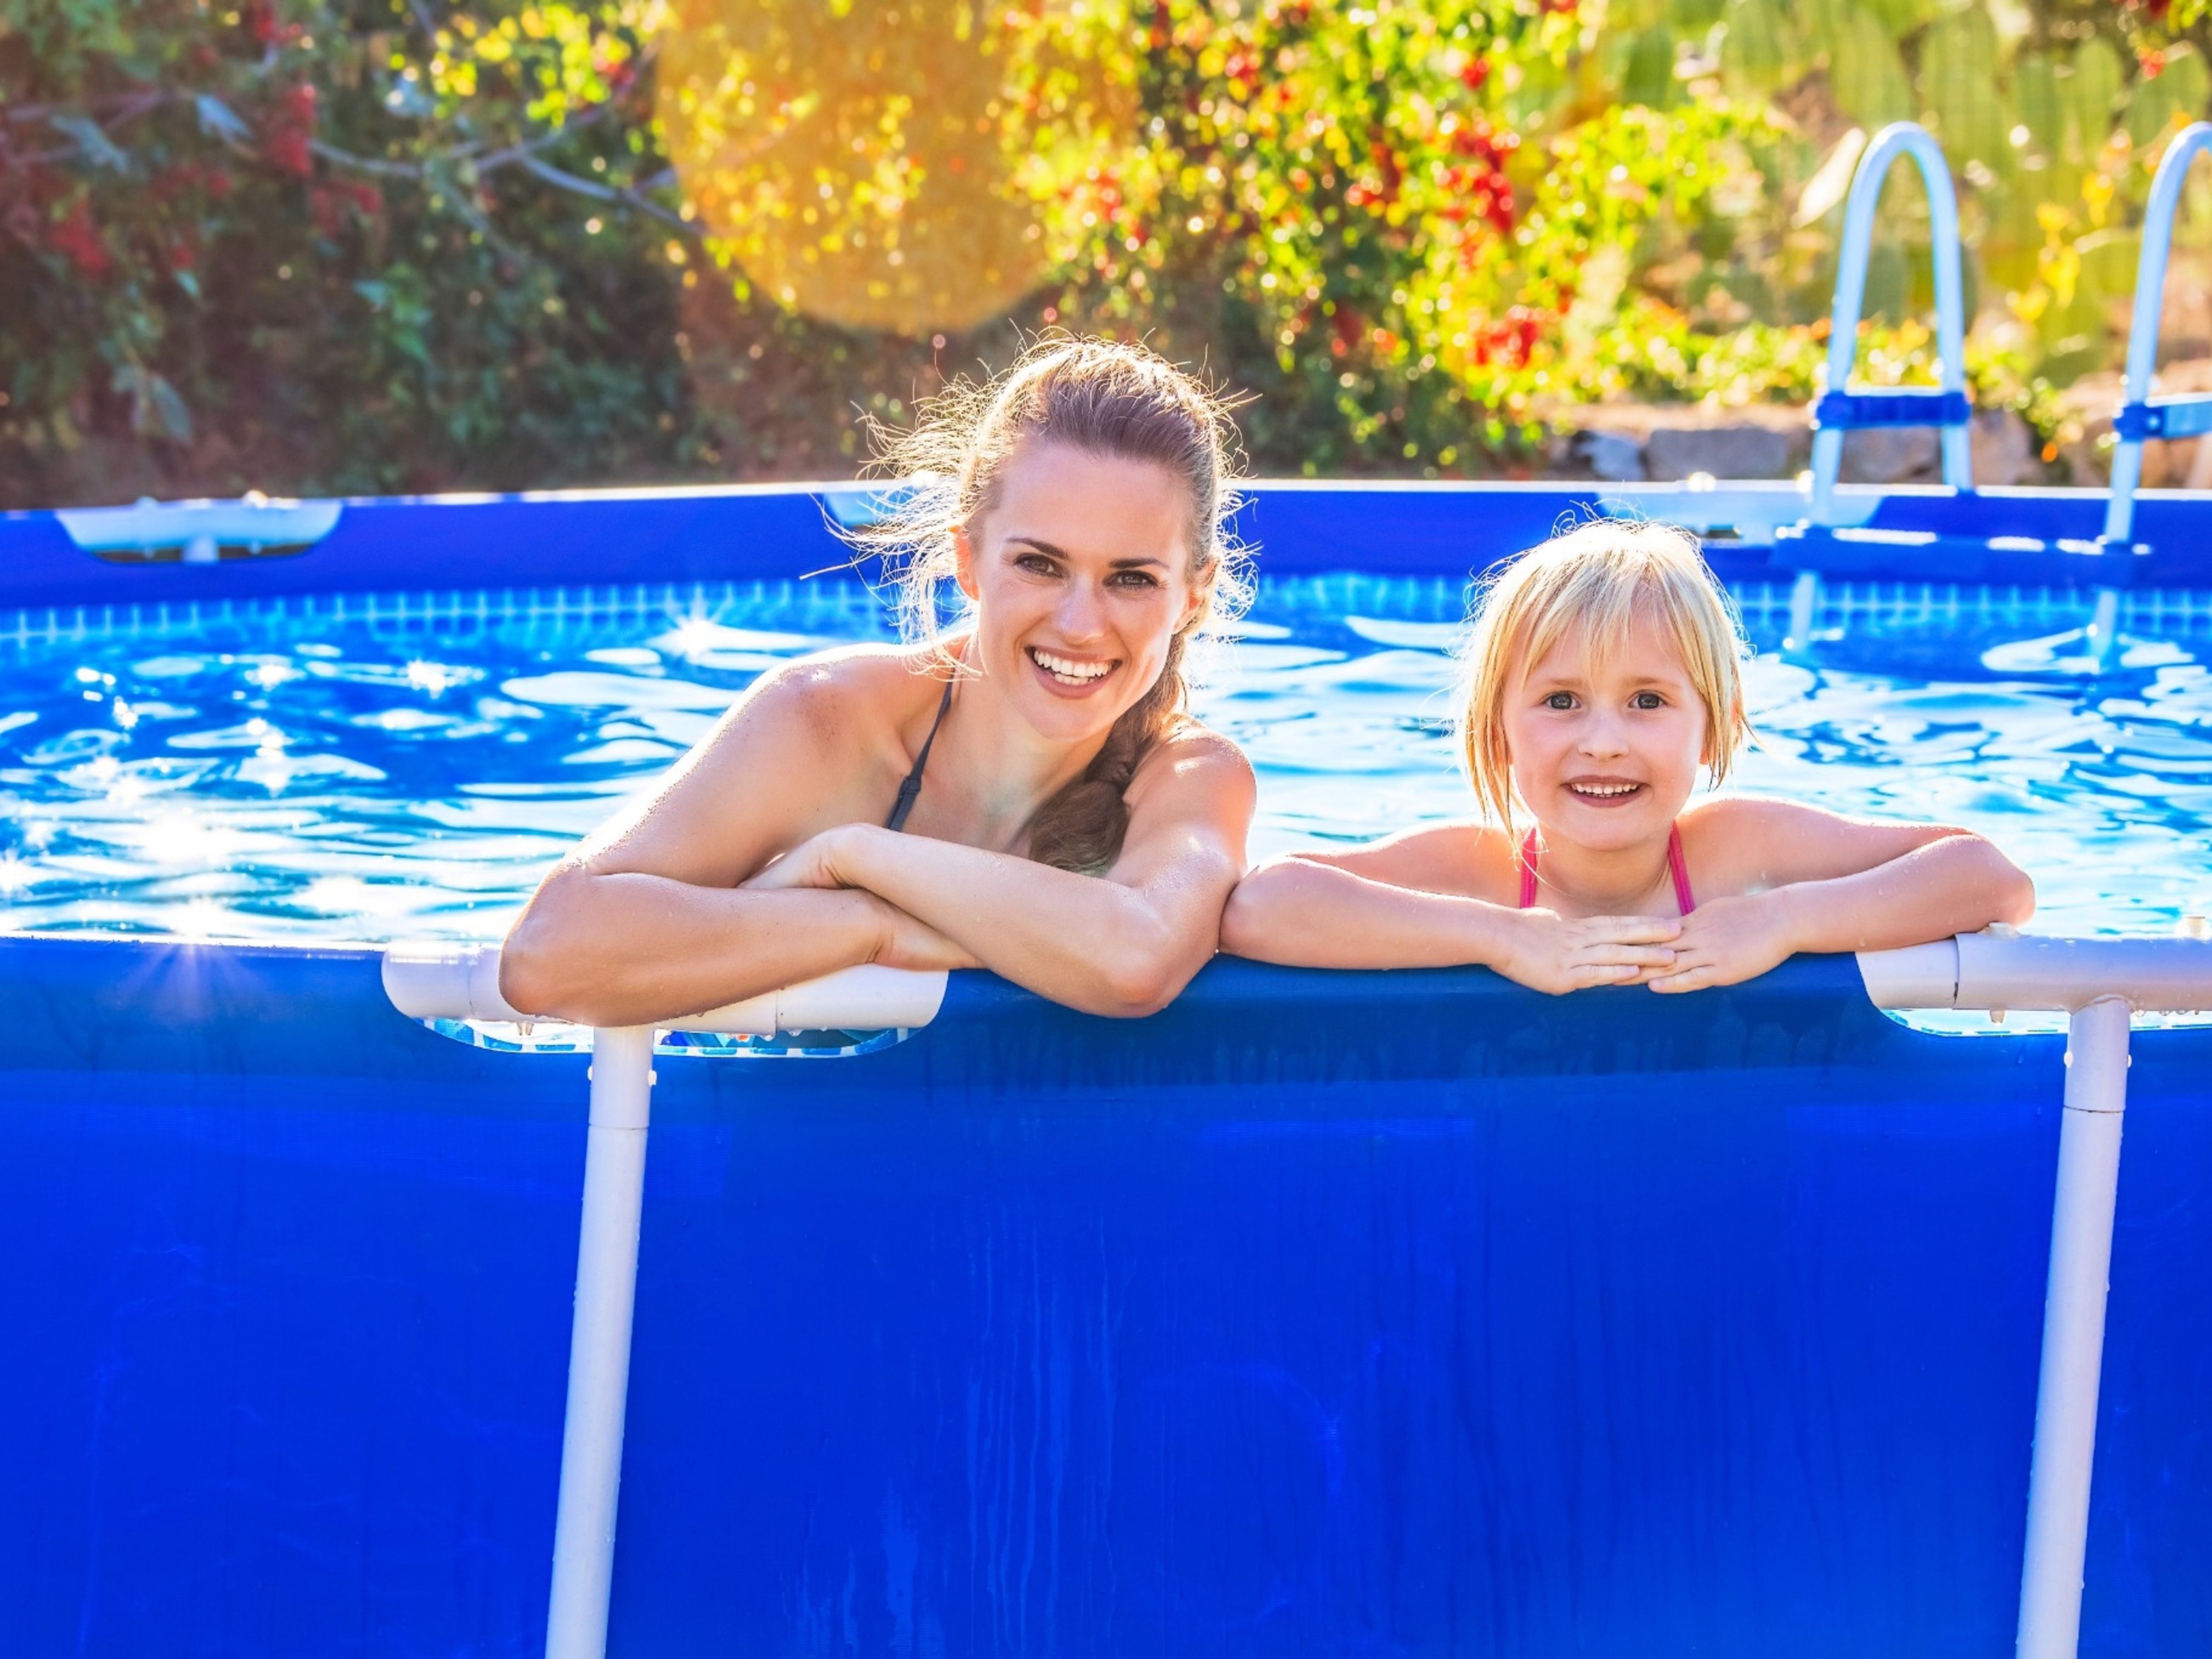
(1603, 578)
(1106, 399)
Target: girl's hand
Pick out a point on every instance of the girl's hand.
(1728, 940)
(815, 862)
(1550, 952)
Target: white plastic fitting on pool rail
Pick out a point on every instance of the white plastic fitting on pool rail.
(1990, 970)
(461, 981)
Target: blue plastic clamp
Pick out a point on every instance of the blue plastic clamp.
(1855, 411)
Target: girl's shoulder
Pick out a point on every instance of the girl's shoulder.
(1748, 843)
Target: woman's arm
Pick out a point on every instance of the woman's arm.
(646, 921)
(1122, 945)
(1830, 883)
(1381, 906)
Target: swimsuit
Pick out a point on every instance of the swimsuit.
(912, 787)
(1675, 867)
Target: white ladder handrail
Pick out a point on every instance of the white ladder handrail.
(1899, 138)
(2159, 216)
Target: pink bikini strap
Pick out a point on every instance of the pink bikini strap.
(1684, 898)
(1676, 866)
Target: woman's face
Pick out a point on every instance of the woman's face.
(1607, 759)
(1080, 575)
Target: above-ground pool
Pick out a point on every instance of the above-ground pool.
(1321, 1313)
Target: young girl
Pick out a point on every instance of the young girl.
(1604, 675)
(1024, 791)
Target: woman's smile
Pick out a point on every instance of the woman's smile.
(1070, 676)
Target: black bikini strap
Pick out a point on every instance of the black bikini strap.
(911, 786)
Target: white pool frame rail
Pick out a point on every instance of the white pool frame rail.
(2098, 983)
(462, 982)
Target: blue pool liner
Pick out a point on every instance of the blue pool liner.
(1322, 1313)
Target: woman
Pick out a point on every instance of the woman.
(1024, 793)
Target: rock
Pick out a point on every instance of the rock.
(2004, 448)
(1892, 454)
(1615, 456)
(1725, 452)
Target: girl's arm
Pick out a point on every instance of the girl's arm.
(646, 921)
(1122, 945)
(1389, 905)
(1824, 882)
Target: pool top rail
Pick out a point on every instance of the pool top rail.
(1989, 970)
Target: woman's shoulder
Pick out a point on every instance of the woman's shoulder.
(850, 681)
(1190, 756)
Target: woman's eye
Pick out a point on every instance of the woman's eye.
(1560, 700)
(1647, 700)
(1133, 579)
(1035, 562)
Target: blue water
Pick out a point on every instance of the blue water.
(372, 767)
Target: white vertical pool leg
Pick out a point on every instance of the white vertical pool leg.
(1804, 610)
(2073, 1330)
(599, 1343)
(2104, 634)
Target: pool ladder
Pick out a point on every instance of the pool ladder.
(2140, 416)
(1840, 410)
(1821, 542)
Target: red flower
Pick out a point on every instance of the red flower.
(1476, 72)
(258, 18)
(76, 237)
(287, 150)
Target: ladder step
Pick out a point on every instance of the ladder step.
(1858, 411)
(2185, 417)
(1927, 555)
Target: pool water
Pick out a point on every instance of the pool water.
(380, 767)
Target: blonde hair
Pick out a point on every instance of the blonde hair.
(1105, 399)
(1601, 578)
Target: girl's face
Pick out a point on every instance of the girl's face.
(1080, 575)
(1606, 760)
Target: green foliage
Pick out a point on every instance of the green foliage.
(349, 245)
(314, 245)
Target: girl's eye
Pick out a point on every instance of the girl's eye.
(1647, 700)
(1560, 700)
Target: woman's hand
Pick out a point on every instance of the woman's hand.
(1548, 951)
(821, 862)
(815, 862)
(1727, 940)
(907, 942)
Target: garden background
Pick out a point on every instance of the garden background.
(328, 246)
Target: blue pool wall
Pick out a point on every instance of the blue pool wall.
(617, 538)
(1321, 1313)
